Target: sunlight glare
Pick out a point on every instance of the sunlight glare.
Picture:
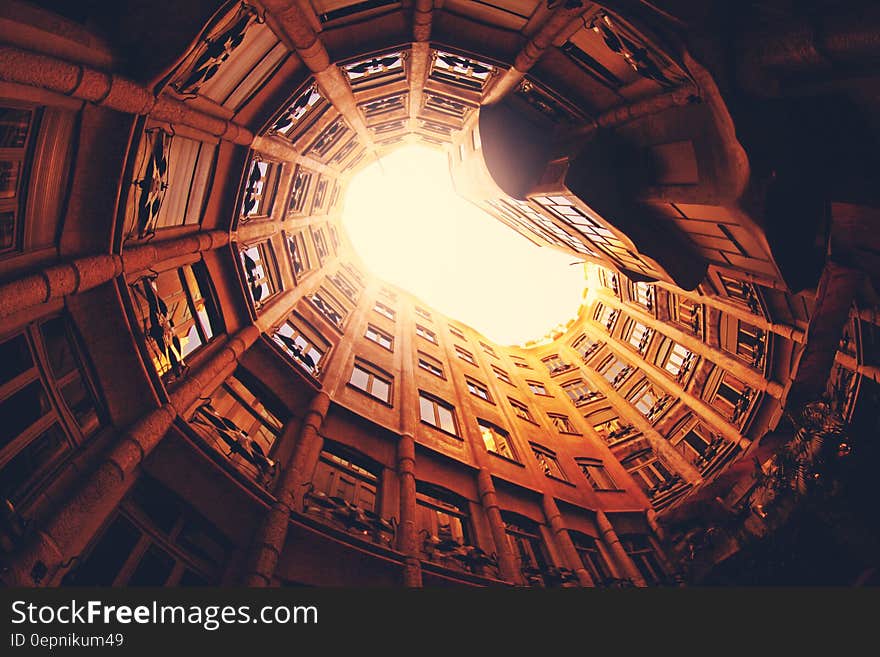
(412, 229)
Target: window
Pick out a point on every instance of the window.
(156, 539)
(615, 371)
(260, 189)
(521, 410)
(339, 477)
(740, 291)
(298, 253)
(687, 313)
(303, 343)
(606, 316)
(746, 341)
(460, 71)
(299, 190)
(478, 389)
(320, 243)
(555, 365)
(649, 472)
(497, 440)
(595, 472)
(678, 361)
(431, 364)
(329, 307)
(642, 294)
(488, 349)
(381, 69)
(549, 463)
(441, 515)
(437, 413)
(650, 400)
(586, 346)
(384, 310)
(732, 397)
(645, 559)
(261, 272)
(520, 362)
(640, 337)
(239, 426)
(300, 110)
(524, 537)
(371, 380)
(537, 388)
(177, 314)
(427, 334)
(579, 392)
(501, 375)
(612, 430)
(591, 557)
(562, 423)
(424, 314)
(16, 125)
(456, 332)
(465, 355)
(47, 405)
(380, 337)
(344, 285)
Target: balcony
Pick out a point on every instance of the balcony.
(447, 552)
(342, 514)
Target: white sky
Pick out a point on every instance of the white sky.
(411, 228)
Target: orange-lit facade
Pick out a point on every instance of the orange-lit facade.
(203, 384)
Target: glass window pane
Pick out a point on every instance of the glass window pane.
(381, 389)
(426, 410)
(58, 347)
(20, 410)
(359, 378)
(15, 358)
(25, 466)
(153, 570)
(446, 421)
(107, 557)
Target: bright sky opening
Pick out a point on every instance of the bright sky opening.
(412, 229)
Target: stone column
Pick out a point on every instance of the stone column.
(612, 542)
(563, 541)
(65, 534)
(81, 274)
(489, 499)
(406, 529)
(269, 539)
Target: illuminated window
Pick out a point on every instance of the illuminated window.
(595, 472)
(384, 310)
(299, 112)
(238, 425)
(639, 336)
(380, 337)
(615, 371)
(465, 355)
(537, 388)
(478, 389)
(650, 400)
(678, 360)
(329, 307)
(371, 380)
(527, 545)
(261, 188)
(298, 254)
(261, 272)
(548, 462)
(460, 71)
(427, 334)
(642, 294)
(375, 70)
(501, 375)
(555, 365)
(586, 346)
(497, 440)
(437, 413)
(303, 343)
(431, 364)
(320, 243)
(649, 472)
(579, 391)
(177, 314)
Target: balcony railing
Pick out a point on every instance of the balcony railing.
(448, 552)
(338, 512)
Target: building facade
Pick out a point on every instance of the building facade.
(203, 384)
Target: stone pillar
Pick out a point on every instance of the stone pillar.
(269, 539)
(506, 561)
(65, 534)
(406, 530)
(81, 274)
(612, 542)
(110, 90)
(563, 541)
